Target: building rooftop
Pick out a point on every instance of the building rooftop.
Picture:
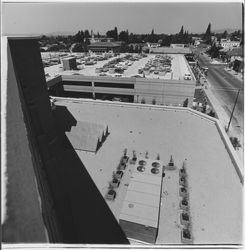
(214, 186)
(168, 50)
(104, 44)
(235, 52)
(178, 69)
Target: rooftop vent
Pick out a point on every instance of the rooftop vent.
(155, 170)
(141, 168)
(185, 218)
(156, 165)
(183, 181)
(142, 162)
(184, 204)
(186, 236)
(111, 195)
(119, 174)
(183, 192)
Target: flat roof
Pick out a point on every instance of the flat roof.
(142, 200)
(104, 44)
(214, 187)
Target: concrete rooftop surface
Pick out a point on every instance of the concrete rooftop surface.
(215, 190)
(179, 68)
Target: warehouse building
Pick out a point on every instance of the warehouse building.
(105, 46)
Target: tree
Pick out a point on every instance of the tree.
(136, 49)
(131, 49)
(76, 47)
(185, 104)
(140, 50)
(123, 36)
(207, 36)
(115, 34)
(181, 31)
(208, 31)
(224, 35)
(214, 51)
(166, 41)
(86, 34)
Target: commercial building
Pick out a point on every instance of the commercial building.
(179, 45)
(170, 50)
(211, 181)
(229, 44)
(105, 46)
(65, 194)
(138, 90)
(169, 88)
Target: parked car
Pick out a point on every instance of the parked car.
(187, 76)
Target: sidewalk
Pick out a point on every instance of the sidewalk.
(224, 120)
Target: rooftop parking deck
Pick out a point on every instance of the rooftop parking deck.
(179, 68)
(214, 188)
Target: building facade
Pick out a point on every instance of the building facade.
(130, 89)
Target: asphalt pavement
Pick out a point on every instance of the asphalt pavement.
(224, 87)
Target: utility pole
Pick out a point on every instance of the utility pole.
(233, 110)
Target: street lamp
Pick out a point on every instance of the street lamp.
(233, 110)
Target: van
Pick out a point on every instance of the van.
(187, 76)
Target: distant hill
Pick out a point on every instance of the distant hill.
(229, 30)
(60, 33)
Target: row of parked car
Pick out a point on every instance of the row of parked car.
(161, 64)
(118, 65)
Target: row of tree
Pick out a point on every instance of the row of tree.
(82, 39)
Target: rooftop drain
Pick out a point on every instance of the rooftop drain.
(141, 168)
(130, 205)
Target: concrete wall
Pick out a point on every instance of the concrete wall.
(139, 232)
(167, 92)
(164, 92)
(72, 207)
(22, 218)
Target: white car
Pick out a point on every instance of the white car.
(187, 76)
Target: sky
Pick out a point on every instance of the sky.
(140, 18)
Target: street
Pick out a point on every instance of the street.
(225, 87)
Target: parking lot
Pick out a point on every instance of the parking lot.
(128, 64)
